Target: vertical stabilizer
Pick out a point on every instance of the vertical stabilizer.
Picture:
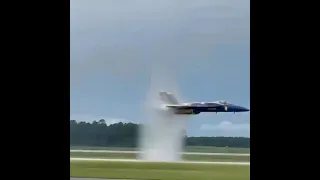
(168, 98)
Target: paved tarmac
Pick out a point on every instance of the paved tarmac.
(136, 160)
(136, 152)
(71, 178)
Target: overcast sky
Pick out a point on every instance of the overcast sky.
(201, 47)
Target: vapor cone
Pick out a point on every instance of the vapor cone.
(162, 133)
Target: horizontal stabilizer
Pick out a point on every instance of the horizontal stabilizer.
(175, 105)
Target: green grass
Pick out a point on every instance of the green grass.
(186, 157)
(208, 149)
(159, 171)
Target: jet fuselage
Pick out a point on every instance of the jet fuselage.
(197, 108)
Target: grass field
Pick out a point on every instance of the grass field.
(186, 157)
(159, 171)
(207, 149)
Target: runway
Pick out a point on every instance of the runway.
(135, 160)
(136, 152)
(72, 178)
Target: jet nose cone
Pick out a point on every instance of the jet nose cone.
(240, 109)
(243, 109)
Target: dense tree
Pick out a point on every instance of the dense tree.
(98, 133)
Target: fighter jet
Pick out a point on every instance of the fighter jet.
(194, 108)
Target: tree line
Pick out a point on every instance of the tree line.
(98, 133)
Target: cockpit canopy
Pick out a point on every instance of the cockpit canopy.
(222, 102)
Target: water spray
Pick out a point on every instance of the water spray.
(162, 134)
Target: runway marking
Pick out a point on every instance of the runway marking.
(136, 160)
(136, 152)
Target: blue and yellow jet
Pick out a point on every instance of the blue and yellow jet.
(198, 107)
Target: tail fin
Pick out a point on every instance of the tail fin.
(168, 98)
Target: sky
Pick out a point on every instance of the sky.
(201, 47)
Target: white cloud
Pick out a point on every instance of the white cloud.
(226, 126)
(90, 118)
